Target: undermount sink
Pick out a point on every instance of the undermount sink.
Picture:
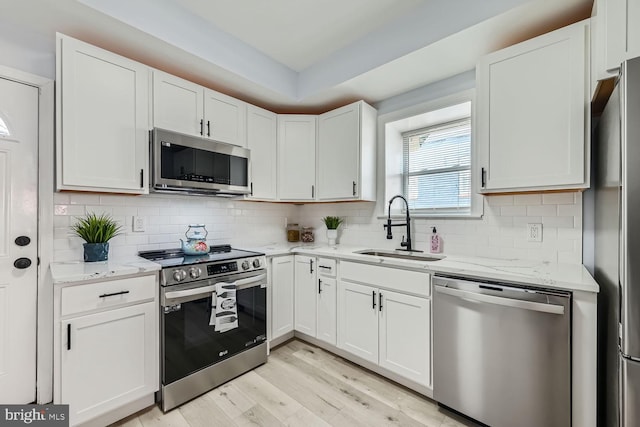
(392, 254)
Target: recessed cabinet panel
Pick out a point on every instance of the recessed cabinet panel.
(358, 320)
(296, 157)
(282, 302)
(327, 293)
(106, 363)
(102, 112)
(262, 128)
(225, 118)
(305, 295)
(407, 354)
(177, 104)
(532, 103)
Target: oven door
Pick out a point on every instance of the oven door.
(190, 343)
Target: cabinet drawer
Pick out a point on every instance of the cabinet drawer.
(113, 293)
(327, 267)
(414, 282)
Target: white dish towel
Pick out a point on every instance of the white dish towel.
(224, 310)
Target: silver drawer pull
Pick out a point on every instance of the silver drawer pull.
(114, 294)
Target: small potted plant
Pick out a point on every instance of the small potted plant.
(96, 230)
(332, 223)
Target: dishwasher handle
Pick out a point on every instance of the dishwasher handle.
(506, 302)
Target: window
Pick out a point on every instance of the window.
(437, 167)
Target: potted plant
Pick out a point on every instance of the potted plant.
(96, 231)
(332, 223)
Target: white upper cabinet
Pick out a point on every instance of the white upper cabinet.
(262, 128)
(346, 153)
(182, 106)
(102, 120)
(177, 104)
(619, 30)
(225, 118)
(296, 157)
(531, 125)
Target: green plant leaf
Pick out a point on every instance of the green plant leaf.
(96, 228)
(332, 222)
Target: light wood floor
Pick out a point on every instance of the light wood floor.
(303, 385)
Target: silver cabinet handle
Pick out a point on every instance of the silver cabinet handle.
(507, 302)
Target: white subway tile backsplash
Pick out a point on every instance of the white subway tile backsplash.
(527, 199)
(499, 200)
(542, 210)
(558, 198)
(558, 221)
(513, 211)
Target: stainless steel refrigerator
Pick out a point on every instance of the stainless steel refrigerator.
(616, 160)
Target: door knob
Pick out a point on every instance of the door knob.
(22, 263)
(22, 240)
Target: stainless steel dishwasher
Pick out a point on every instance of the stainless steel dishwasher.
(502, 353)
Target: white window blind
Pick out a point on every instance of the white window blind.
(437, 168)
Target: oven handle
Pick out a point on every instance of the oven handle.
(240, 284)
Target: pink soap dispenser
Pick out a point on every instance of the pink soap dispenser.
(436, 242)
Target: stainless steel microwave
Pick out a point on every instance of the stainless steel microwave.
(190, 164)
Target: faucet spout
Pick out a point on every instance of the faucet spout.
(406, 244)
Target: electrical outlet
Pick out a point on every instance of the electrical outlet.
(534, 232)
(138, 223)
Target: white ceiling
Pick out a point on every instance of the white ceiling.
(287, 55)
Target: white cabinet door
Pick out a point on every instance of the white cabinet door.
(327, 315)
(225, 118)
(305, 295)
(339, 153)
(177, 104)
(296, 157)
(282, 303)
(262, 128)
(110, 360)
(622, 34)
(347, 153)
(405, 335)
(102, 120)
(532, 103)
(358, 320)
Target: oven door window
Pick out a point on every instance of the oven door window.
(191, 344)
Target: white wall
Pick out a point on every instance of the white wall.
(501, 233)
(240, 223)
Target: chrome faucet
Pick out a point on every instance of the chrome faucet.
(405, 244)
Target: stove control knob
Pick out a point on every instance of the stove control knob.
(179, 275)
(195, 272)
(256, 262)
(245, 265)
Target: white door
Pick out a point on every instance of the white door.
(296, 157)
(306, 290)
(177, 104)
(405, 335)
(358, 320)
(18, 217)
(339, 153)
(281, 295)
(225, 118)
(108, 360)
(327, 309)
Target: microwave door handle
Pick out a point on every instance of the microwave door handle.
(250, 281)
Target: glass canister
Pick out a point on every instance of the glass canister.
(307, 234)
(293, 233)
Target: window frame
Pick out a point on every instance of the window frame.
(389, 183)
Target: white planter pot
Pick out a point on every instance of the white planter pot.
(332, 235)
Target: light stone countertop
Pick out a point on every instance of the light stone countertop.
(80, 271)
(572, 277)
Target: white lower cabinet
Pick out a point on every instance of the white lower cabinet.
(282, 269)
(305, 295)
(327, 294)
(106, 347)
(405, 335)
(389, 328)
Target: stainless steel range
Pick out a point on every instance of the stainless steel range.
(213, 319)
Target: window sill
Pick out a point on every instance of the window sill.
(433, 216)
